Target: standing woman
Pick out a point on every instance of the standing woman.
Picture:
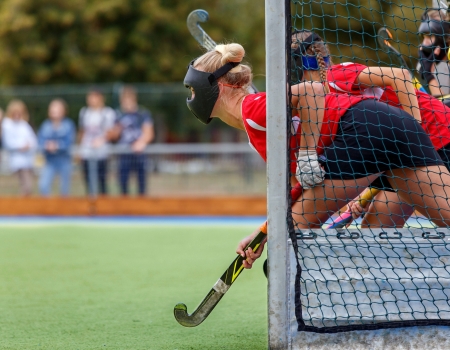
(20, 141)
(218, 84)
(56, 137)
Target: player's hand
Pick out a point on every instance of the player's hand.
(249, 254)
(309, 172)
(356, 209)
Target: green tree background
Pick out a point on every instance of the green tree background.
(60, 41)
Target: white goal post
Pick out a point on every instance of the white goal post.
(283, 261)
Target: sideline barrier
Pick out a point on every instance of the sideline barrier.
(117, 206)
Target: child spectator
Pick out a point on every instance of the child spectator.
(20, 141)
(56, 136)
(95, 121)
(133, 128)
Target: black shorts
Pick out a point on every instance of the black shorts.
(382, 182)
(374, 137)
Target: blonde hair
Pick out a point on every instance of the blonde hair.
(17, 105)
(240, 76)
(317, 48)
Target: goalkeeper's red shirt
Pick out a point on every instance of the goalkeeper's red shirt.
(343, 78)
(254, 118)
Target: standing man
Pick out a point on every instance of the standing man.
(95, 120)
(133, 128)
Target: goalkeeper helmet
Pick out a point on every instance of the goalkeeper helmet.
(437, 28)
(205, 90)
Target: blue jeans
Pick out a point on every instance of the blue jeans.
(56, 165)
(101, 173)
(135, 163)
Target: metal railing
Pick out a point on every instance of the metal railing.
(172, 169)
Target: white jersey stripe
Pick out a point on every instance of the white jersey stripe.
(254, 125)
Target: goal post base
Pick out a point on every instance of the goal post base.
(329, 254)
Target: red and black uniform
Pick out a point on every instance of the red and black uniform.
(254, 118)
(343, 78)
(360, 136)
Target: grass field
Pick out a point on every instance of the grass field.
(114, 287)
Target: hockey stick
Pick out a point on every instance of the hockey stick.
(218, 290)
(384, 38)
(346, 217)
(224, 283)
(205, 41)
(197, 32)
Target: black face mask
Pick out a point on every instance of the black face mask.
(206, 90)
(428, 50)
(440, 29)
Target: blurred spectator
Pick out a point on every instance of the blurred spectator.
(95, 121)
(20, 141)
(1, 118)
(56, 136)
(133, 128)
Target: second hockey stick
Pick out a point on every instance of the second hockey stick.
(193, 23)
(384, 39)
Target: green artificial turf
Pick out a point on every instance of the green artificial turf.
(106, 287)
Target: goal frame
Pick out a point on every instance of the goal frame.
(281, 258)
(277, 176)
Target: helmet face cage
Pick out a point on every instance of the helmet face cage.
(205, 94)
(440, 29)
(205, 88)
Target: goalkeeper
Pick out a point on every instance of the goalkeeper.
(218, 83)
(433, 52)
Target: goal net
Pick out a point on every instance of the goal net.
(367, 84)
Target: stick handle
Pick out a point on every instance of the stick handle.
(367, 196)
(236, 267)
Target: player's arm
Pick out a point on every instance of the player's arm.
(310, 98)
(399, 80)
(311, 104)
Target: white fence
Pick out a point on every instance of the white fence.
(172, 169)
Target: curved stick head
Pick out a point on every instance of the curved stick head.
(183, 318)
(384, 36)
(193, 20)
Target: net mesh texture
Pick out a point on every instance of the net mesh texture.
(376, 122)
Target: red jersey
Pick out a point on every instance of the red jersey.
(254, 118)
(336, 105)
(343, 78)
